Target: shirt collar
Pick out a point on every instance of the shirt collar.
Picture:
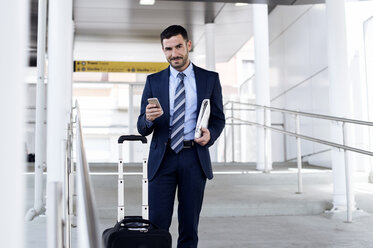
(188, 71)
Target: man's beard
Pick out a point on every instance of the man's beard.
(183, 62)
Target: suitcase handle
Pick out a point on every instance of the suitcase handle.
(124, 223)
(132, 138)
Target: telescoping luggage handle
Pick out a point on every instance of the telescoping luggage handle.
(145, 206)
(132, 138)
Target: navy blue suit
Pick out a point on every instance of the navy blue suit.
(187, 171)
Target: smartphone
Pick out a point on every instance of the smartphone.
(155, 101)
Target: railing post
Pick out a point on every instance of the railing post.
(68, 196)
(299, 155)
(284, 127)
(265, 141)
(225, 145)
(347, 174)
(232, 128)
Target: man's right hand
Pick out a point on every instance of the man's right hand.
(153, 112)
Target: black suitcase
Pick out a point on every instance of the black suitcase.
(134, 231)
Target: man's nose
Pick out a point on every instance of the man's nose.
(174, 53)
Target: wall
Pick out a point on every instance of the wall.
(299, 74)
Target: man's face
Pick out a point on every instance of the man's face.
(176, 50)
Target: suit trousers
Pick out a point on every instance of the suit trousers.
(180, 172)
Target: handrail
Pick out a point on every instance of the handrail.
(247, 80)
(324, 142)
(69, 174)
(326, 117)
(87, 217)
(309, 155)
(109, 82)
(299, 136)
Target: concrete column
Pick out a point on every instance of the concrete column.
(339, 94)
(59, 98)
(210, 65)
(368, 42)
(260, 20)
(210, 46)
(70, 60)
(14, 17)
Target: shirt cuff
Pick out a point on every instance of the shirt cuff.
(149, 124)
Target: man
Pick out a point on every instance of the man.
(177, 160)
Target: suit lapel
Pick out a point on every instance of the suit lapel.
(201, 86)
(163, 91)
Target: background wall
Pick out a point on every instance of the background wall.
(299, 74)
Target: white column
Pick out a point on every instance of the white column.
(339, 94)
(70, 66)
(14, 17)
(59, 101)
(40, 118)
(210, 65)
(368, 41)
(260, 20)
(210, 46)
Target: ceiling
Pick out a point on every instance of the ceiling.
(127, 31)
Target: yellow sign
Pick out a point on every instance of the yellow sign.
(110, 66)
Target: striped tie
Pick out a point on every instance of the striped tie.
(177, 130)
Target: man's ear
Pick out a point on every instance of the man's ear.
(189, 45)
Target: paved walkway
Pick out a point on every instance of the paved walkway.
(246, 208)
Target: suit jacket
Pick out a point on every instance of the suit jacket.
(157, 85)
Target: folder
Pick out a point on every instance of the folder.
(203, 118)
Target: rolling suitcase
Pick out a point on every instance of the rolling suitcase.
(134, 231)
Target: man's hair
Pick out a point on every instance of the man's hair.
(174, 30)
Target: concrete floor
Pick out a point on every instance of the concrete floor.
(245, 208)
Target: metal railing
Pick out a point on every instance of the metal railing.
(62, 208)
(87, 217)
(345, 146)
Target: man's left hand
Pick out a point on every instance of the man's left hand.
(205, 138)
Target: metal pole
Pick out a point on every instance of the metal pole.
(268, 163)
(284, 127)
(68, 196)
(40, 126)
(232, 128)
(225, 144)
(121, 208)
(347, 174)
(299, 155)
(265, 141)
(130, 121)
(72, 210)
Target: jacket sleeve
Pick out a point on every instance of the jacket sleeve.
(217, 117)
(145, 127)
